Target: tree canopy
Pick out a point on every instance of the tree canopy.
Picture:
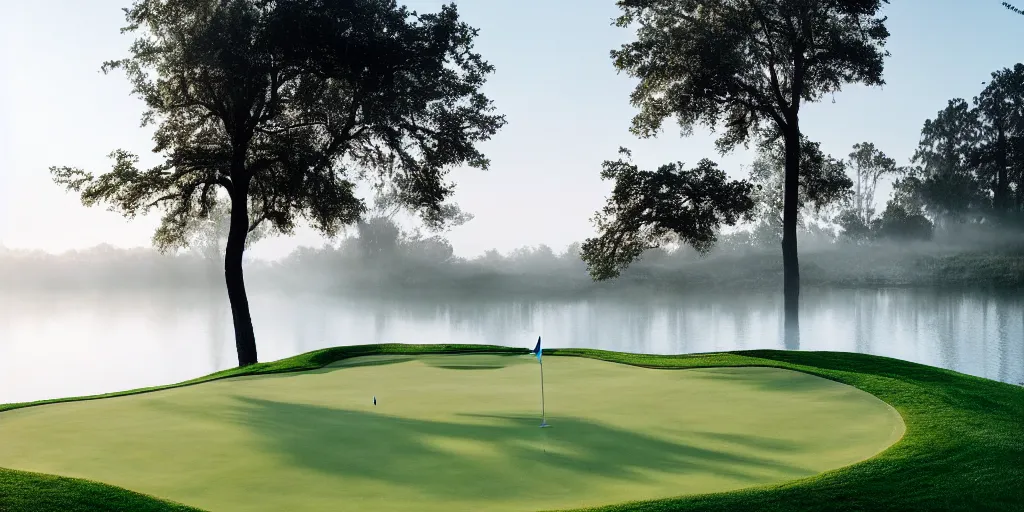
(748, 63)
(943, 158)
(970, 159)
(1000, 152)
(869, 164)
(650, 208)
(309, 95)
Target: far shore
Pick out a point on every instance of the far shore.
(849, 267)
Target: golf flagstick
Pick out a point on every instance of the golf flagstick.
(543, 422)
(537, 352)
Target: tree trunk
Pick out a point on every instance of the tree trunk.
(1020, 194)
(245, 338)
(860, 197)
(1002, 185)
(790, 264)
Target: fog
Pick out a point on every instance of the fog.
(380, 257)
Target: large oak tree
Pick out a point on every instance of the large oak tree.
(281, 106)
(750, 65)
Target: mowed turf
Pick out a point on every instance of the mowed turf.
(455, 432)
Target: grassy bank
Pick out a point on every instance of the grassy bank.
(961, 450)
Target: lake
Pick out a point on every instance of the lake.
(75, 343)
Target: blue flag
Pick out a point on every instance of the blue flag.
(536, 350)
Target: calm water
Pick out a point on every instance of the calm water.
(54, 345)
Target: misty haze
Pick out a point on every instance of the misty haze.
(168, 314)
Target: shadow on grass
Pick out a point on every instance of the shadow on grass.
(445, 362)
(944, 386)
(467, 367)
(485, 457)
(774, 380)
(477, 362)
(755, 442)
(357, 362)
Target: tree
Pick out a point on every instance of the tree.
(853, 226)
(904, 215)
(750, 64)
(946, 180)
(379, 239)
(650, 208)
(906, 191)
(869, 165)
(1000, 108)
(899, 223)
(432, 251)
(971, 158)
(284, 105)
(382, 242)
(387, 202)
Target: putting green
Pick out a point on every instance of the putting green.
(455, 432)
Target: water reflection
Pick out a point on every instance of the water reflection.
(60, 344)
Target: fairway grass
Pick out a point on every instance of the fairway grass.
(459, 432)
(456, 432)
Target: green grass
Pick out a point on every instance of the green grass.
(962, 449)
(457, 432)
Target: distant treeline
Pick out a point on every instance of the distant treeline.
(382, 259)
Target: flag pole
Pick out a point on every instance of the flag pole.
(537, 352)
(543, 422)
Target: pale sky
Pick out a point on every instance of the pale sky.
(567, 111)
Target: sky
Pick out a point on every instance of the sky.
(567, 110)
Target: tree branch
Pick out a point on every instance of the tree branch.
(259, 220)
(772, 59)
(161, 199)
(762, 104)
(225, 182)
(278, 131)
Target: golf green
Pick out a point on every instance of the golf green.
(455, 432)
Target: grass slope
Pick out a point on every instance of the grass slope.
(962, 449)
